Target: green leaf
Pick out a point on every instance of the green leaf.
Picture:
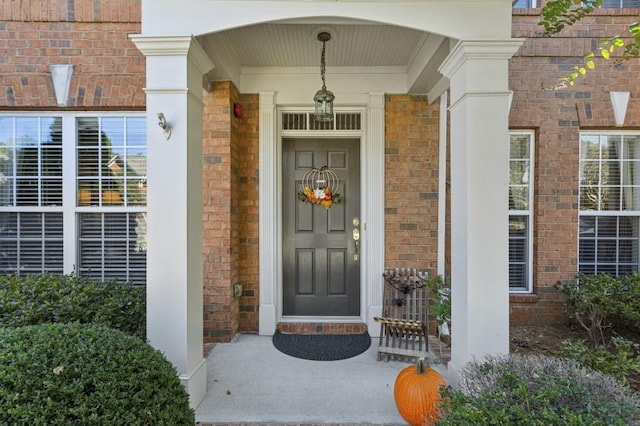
(591, 65)
(604, 53)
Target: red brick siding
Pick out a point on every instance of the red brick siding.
(70, 10)
(558, 117)
(247, 212)
(110, 74)
(219, 303)
(411, 182)
(230, 173)
(109, 71)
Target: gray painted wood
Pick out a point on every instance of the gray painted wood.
(320, 275)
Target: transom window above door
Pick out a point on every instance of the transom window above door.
(306, 121)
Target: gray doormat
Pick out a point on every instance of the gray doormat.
(322, 347)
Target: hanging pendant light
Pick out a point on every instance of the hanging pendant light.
(323, 98)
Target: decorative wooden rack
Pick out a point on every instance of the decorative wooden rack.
(404, 321)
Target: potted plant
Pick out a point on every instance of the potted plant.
(440, 303)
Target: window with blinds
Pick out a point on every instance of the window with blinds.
(112, 246)
(520, 210)
(525, 3)
(112, 161)
(620, 3)
(30, 194)
(111, 180)
(107, 200)
(609, 203)
(30, 243)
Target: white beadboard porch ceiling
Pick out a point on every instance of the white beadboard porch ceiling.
(353, 44)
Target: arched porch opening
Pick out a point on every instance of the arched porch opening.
(454, 47)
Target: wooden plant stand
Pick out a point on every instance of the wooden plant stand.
(404, 321)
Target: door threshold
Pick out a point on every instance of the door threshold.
(314, 319)
(317, 325)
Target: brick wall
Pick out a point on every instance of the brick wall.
(558, 116)
(247, 212)
(109, 72)
(411, 182)
(219, 322)
(230, 200)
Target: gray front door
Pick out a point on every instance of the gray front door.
(321, 270)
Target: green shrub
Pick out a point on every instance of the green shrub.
(602, 302)
(536, 390)
(618, 361)
(440, 300)
(48, 298)
(71, 374)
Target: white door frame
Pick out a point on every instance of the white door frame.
(372, 212)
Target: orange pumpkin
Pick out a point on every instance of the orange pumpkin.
(417, 394)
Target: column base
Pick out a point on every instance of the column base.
(196, 383)
(267, 320)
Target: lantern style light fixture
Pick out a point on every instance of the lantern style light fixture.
(323, 98)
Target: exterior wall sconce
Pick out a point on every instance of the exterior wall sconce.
(323, 98)
(61, 76)
(164, 125)
(619, 101)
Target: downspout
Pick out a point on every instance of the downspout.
(442, 183)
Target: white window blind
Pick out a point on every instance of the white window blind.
(30, 243)
(609, 203)
(112, 161)
(106, 201)
(111, 190)
(520, 210)
(112, 246)
(30, 161)
(30, 194)
(620, 3)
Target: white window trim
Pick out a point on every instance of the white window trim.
(528, 213)
(592, 213)
(70, 209)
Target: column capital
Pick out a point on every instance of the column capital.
(478, 49)
(174, 46)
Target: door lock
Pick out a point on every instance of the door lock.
(356, 239)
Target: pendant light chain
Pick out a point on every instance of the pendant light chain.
(322, 66)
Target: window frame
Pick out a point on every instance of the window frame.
(599, 213)
(532, 4)
(602, 6)
(69, 208)
(529, 213)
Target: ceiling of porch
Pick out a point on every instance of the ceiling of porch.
(354, 44)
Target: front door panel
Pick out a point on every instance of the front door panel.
(321, 269)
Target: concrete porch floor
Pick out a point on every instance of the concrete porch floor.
(250, 381)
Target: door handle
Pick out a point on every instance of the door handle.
(356, 239)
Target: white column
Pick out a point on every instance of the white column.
(175, 66)
(478, 73)
(373, 226)
(270, 309)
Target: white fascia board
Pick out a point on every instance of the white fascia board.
(463, 19)
(421, 59)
